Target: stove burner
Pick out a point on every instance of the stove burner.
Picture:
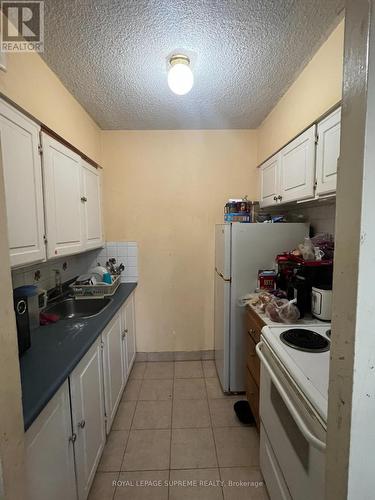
(305, 340)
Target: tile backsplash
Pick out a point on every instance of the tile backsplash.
(125, 252)
(43, 274)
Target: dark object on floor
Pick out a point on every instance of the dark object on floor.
(243, 412)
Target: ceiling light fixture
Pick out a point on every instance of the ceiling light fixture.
(180, 76)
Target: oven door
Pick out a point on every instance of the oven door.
(292, 430)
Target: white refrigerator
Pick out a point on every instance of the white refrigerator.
(240, 251)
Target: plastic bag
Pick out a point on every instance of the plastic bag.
(273, 309)
(289, 312)
(264, 298)
(282, 311)
(307, 249)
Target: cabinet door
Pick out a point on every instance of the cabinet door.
(91, 185)
(86, 390)
(114, 380)
(297, 168)
(327, 153)
(62, 194)
(19, 139)
(269, 181)
(129, 330)
(49, 452)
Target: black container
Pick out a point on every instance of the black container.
(22, 322)
(302, 292)
(304, 278)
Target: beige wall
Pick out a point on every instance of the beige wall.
(31, 84)
(315, 90)
(166, 190)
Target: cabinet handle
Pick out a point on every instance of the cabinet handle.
(280, 197)
(126, 330)
(123, 335)
(73, 437)
(83, 199)
(275, 198)
(81, 424)
(252, 331)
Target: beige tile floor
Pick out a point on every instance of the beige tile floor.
(175, 436)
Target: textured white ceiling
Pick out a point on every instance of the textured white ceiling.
(112, 55)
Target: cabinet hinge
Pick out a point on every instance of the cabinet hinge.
(315, 185)
(40, 149)
(102, 345)
(45, 239)
(316, 138)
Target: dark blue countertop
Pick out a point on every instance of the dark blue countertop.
(55, 351)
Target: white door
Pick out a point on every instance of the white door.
(114, 379)
(222, 329)
(223, 249)
(269, 181)
(297, 168)
(64, 209)
(86, 390)
(129, 330)
(91, 185)
(49, 452)
(19, 140)
(327, 153)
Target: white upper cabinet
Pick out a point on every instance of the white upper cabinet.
(19, 139)
(114, 379)
(297, 168)
(269, 181)
(327, 153)
(49, 455)
(86, 392)
(92, 202)
(62, 195)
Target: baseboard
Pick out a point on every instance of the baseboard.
(175, 356)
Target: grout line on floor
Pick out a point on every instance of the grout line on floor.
(170, 442)
(131, 423)
(213, 437)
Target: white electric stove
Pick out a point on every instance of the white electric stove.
(309, 369)
(293, 409)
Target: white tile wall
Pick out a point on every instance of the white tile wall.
(125, 252)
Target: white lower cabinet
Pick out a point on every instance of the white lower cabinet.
(64, 444)
(49, 452)
(128, 321)
(114, 376)
(86, 392)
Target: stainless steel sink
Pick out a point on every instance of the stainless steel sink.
(82, 308)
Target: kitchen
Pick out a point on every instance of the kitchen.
(104, 160)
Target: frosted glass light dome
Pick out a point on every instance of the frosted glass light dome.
(180, 76)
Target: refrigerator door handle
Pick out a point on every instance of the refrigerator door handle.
(221, 276)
